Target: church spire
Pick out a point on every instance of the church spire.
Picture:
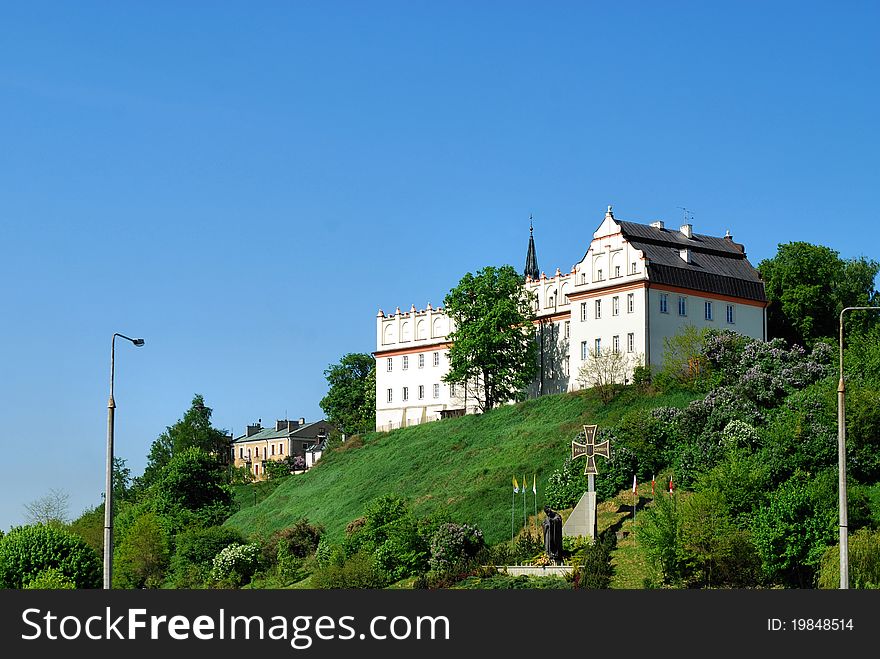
(531, 259)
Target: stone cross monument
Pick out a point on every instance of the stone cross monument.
(582, 520)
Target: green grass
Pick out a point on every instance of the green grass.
(462, 466)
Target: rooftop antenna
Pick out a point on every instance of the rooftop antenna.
(688, 216)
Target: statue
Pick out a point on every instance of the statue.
(552, 534)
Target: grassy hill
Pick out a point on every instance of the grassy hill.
(462, 465)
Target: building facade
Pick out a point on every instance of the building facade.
(636, 286)
(287, 438)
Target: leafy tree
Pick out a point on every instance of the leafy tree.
(350, 403)
(141, 558)
(90, 527)
(792, 531)
(51, 579)
(48, 509)
(194, 430)
(684, 360)
(191, 488)
(808, 286)
(27, 551)
(493, 347)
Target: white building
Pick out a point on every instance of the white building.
(636, 285)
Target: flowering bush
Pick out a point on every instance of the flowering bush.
(453, 544)
(236, 563)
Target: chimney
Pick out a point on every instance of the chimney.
(253, 429)
(658, 224)
(302, 421)
(687, 230)
(685, 254)
(281, 424)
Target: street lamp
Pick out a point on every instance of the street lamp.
(841, 458)
(108, 492)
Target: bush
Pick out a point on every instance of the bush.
(26, 551)
(236, 564)
(142, 555)
(453, 545)
(358, 571)
(194, 553)
(51, 579)
(591, 566)
(792, 531)
(864, 562)
(277, 468)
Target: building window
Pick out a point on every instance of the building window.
(615, 305)
(630, 342)
(664, 303)
(390, 366)
(633, 268)
(249, 454)
(281, 449)
(730, 318)
(598, 309)
(682, 306)
(615, 344)
(421, 360)
(584, 353)
(436, 359)
(583, 278)
(406, 393)
(273, 449)
(405, 362)
(598, 346)
(241, 453)
(583, 311)
(708, 308)
(565, 367)
(630, 302)
(452, 390)
(436, 391)
(549, 301)
(421, 391)
(567, 328)
(599, 276)
(390, 395)
(257, 451)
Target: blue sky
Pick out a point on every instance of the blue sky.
(245, 184)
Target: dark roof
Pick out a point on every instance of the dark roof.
(717, 265)
(305, 431)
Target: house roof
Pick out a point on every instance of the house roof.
(305, 431)
(716, 265)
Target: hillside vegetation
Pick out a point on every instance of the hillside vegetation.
(464, 466)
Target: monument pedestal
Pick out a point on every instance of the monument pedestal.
(582, 521)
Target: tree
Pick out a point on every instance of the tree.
(807, 287)
(28, 551)
(605, 371)
(194, 430)
(143, 554)
(493, 346)
(192, 488)
(350, 403)
(48, 509)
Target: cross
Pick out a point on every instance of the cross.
(590, 449)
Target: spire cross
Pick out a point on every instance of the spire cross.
(589, 449)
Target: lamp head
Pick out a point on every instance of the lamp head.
(138, 342)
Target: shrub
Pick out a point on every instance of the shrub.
(591, 566)
(194, 553)
(277, 468)
(26, 551)
(864, 562)
(51, 579)
(453, 545)
(142, 555)
(236, 564)
(358, 571)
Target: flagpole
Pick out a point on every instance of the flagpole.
(535, 492)
(525, 517)
(512, 503)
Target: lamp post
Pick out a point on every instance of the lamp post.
(108, 491)
(841, 458)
